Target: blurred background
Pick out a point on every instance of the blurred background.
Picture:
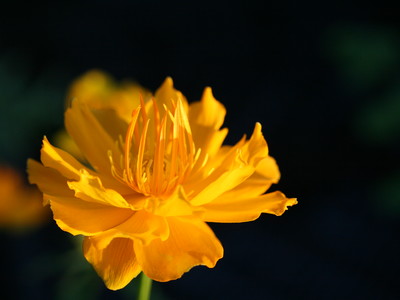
(323, 79)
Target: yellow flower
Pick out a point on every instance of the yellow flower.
(155, 179)
(20, 205)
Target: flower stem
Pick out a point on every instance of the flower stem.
(145, 287)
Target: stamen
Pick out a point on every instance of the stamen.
(158, 156)
(139, 164)
(144, 114)
(156, 117)
(128, 142)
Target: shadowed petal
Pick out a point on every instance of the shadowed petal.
(90, 136)
(101, 92)
(190, 243)
(116, 264)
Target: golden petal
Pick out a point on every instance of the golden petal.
(266, 174)
(90, 136)
(174, 205)
(60, 160)
(190, 243)
(169, 96)
(70, 168)
(208, 112)
(48, 180)
(90, 188)
(206, 117)
(81, 217)
(116, 264)
(234, 207)
(143, 227)
(232, 167)
(218, 184)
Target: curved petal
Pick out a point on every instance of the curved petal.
(70, 168)
(234, 207)
(60, 160)
(205, 118)
(256, 148)
(142, 227)
(267, 169)
(90, 188)
(81, 217)
(116, 264)
(48, 180)
(191, 242)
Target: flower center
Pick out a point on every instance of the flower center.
(158, 152)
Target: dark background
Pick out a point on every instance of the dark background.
(322, 78)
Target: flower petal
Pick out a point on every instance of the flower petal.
(94, 87)
(169, 96)
(208, 112)
(234, 207)
(266, 174)
(256, 148)
(267, 169)
(90, 188)
(206, 117)
(70, 168)
(231, 167)
(81, 217)
(116, 264)
(90, 136)
(100, 91)
(191, 242)
(175, 205)
(142, 227)
(48, 180)
(60, 160)
(218, 183)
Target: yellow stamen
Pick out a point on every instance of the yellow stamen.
(158, 154)
(127, 150)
